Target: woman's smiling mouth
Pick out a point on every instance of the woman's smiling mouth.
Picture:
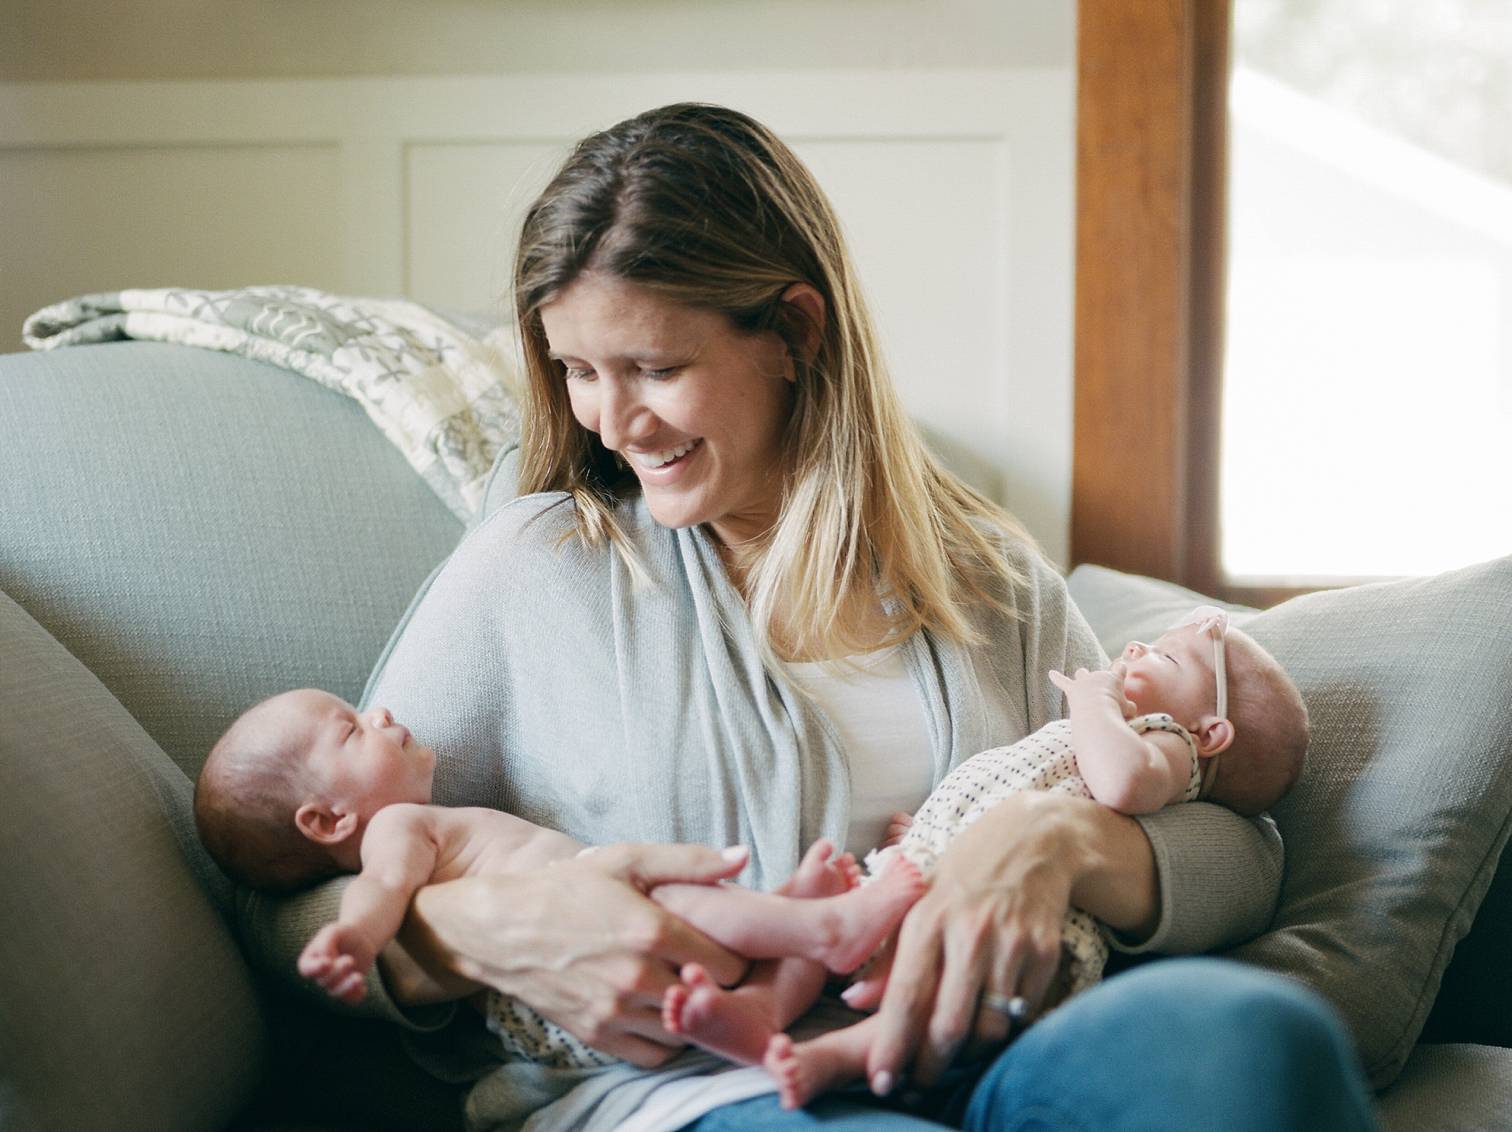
(665, 455)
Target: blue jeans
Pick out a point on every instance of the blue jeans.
(1182, 1045)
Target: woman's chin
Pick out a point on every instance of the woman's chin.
(672, 509)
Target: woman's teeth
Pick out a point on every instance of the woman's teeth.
(665, 456)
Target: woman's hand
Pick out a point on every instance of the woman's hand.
(578, 941)
(991, 921)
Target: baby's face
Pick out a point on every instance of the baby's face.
(364, 759)
(1174, 675)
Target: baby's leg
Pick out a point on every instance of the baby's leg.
(740, 1023)
(838, 931)
(805, 1069)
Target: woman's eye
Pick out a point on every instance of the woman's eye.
(577, 374)
(658, 374)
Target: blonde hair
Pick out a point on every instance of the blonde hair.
(253, 781)
(1271, 729)
(709, 208)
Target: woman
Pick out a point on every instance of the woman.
(723, 506)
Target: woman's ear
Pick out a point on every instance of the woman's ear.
(323, 825)
(1213, 736)
(803, 310)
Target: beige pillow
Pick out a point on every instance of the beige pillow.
(1394, 831)
(124, 1003)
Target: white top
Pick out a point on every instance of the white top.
(874, 706)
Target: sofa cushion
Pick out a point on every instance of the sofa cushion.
(1451, 1088)
(1395, 828)
(1128, 607)
(202, 530)
(124, 1003)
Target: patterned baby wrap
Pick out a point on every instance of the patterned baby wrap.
(1042, 761)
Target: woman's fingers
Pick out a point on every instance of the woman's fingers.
(908, 1000)
(965, 957)
(646, 865)
(579, 941)
(643, 867)
(989, 924)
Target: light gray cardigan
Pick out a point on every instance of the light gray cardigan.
(554, 686)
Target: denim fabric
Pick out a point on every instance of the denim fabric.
(1189, 1044)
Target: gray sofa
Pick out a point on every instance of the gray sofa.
(182, 532)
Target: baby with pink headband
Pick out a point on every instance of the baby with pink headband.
(1202, 713)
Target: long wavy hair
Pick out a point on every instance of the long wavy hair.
(709, 208)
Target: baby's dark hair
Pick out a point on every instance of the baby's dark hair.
(1270, 729)
(244, 802)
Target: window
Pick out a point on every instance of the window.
(1367, 407)
(1152, 137)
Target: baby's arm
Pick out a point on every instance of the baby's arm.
(1126, 771)
(399, 853)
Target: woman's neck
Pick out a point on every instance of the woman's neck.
(864, 628)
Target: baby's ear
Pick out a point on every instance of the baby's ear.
(1213, 735)
(323, 825)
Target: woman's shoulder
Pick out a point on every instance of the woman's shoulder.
(1028, 574)
(538, 537)
(550, 512)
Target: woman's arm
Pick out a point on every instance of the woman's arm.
(1188, 878)
(578, 941)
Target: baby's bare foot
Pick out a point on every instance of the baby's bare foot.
(725, 1022)
(866, 916)
(674, 999)
(822, 873)
(805, 1070)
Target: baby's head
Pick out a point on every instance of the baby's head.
(1257, 740)
(287, 792)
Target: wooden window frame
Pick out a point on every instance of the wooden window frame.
(1151, 180)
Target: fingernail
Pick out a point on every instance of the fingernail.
(882, 1083)
(735, 853)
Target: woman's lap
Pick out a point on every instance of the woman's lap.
(1188, 1043)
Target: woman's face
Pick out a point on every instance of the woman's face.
(695, 406)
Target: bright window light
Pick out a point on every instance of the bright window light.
(1367, 425)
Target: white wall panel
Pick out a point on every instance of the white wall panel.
(74, 221)
(464, 205)
(955, 185)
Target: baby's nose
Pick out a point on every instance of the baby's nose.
(1134, 650)
(381, 717)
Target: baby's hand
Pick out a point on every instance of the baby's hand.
(337, 959)
(1087, 685)
(896, 828)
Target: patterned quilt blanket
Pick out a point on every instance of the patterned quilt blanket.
(442, 397)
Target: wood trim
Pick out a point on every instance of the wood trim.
(1151, 160)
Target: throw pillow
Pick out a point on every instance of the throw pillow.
(1394, 831)
(124, 1003)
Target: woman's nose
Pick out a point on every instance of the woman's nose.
(623, 416)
